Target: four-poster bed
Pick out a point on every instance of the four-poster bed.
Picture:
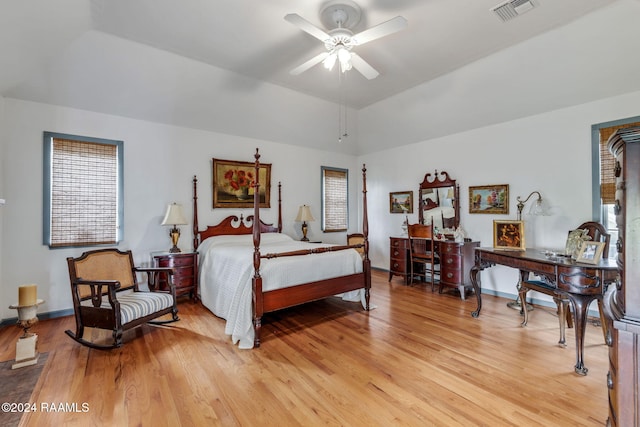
(240, 281)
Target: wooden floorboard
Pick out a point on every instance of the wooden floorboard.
(418, 359)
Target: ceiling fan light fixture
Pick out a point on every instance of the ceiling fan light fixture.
(343, 54)
(330, 61)
(344, 57)
(345, 66)
(342, 15)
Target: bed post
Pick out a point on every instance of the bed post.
(258, 306)
(196, 240)
(366, 262)
(279, 206)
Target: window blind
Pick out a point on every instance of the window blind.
(607, 165)
(335, 201)
(84, 193)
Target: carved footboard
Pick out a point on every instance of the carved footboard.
(264, 302)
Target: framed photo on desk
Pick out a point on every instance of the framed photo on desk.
(590, 252)
(508, 235)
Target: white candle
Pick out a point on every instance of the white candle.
(27, 295)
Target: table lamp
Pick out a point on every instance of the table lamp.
(174, 216)
(27, 306)
(304, 215)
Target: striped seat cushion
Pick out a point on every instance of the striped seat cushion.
(134, 305)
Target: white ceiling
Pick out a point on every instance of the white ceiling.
(247, 41)
(250, 37)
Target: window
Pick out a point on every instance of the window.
(83, 186)
(335, 203)
(603, 176)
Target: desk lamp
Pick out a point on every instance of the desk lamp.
(539, 208)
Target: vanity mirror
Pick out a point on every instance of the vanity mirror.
(439, 201)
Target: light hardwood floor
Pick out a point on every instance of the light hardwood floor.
(418, 359)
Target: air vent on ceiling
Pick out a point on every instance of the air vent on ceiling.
(512, 8)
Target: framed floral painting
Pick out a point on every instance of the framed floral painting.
(233, 184)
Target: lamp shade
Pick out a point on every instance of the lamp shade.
(174, 215)
(540, 208)
(304, 214)
(450, 194)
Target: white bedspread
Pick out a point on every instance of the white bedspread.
(226, 270)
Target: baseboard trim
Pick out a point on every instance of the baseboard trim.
(41, 316)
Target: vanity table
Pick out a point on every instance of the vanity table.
(456, 260)
(438, 203)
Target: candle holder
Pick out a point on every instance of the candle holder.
(26, 354)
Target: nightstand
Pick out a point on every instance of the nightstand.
(185, 271)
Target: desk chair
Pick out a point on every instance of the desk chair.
(422, 251)
(598, 233)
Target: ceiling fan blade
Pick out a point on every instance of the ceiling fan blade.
(310, 63)
(307, 26)
(363, 66)
(389, 27)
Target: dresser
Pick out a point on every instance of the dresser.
(185, 271)
(622, 300)
(399, 258)
(456, 260)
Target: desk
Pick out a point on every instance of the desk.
(580, 283)
(456, 259)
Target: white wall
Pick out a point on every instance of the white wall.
(583, 61)
(3, 158)
(160, 162)
(549, 152)
(546, 151)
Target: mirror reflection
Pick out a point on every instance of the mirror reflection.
(439, 201)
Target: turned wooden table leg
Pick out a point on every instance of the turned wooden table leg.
(580, 305)
(476, 288)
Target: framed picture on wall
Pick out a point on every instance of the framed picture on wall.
(508, 235)
(233, 184)
(489, 199)
(401, 202)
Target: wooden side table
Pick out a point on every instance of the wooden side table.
(185, 271)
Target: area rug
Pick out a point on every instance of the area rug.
(16, 386)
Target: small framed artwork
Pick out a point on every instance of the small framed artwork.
(233, 184)
(590, 252)
(508, 235)
(489, 199)
(401, 202)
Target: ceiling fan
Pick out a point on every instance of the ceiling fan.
(342, 15)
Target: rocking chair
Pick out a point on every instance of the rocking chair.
(106, 295)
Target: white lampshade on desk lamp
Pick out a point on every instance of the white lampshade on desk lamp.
(174, 216)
